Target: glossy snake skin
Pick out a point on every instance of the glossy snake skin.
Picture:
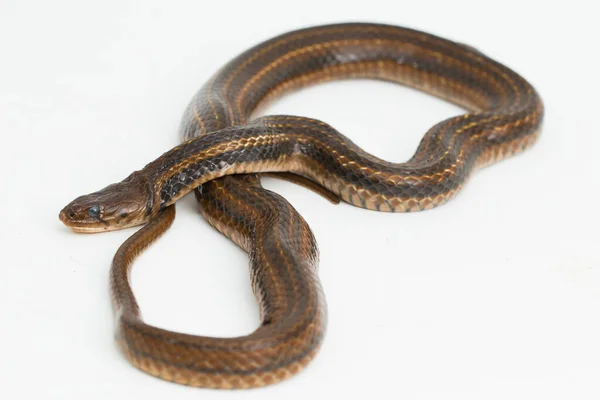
(505, 116)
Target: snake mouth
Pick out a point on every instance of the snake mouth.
(84, 226)
(95, 225)
(89, 229)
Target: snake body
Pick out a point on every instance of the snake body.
(284, 257)
(221, 138)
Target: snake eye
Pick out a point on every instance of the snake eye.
(94, 211)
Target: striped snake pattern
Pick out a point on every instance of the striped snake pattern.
(224, 146)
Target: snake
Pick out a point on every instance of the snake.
(225, 145)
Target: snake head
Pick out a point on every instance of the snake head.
(117, 206)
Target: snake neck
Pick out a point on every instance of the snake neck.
(256, 147)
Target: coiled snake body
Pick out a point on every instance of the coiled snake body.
(505, 115)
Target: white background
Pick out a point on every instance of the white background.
(495, 295)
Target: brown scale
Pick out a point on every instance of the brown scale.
(221, 138)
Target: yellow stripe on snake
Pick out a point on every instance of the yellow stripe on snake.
(221, 143)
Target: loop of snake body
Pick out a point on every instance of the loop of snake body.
(220, 138)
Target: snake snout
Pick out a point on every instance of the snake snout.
(66, 214)
(62, 215)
